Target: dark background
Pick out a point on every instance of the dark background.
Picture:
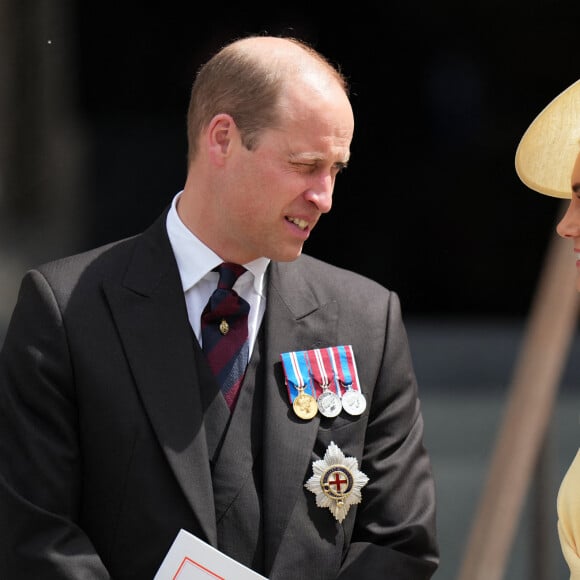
(430, 205)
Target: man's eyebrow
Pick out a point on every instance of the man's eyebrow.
(315, 157)
(306, 156)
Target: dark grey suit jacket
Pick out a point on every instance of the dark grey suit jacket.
(104, 449)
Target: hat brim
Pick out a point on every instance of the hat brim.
(547, 152)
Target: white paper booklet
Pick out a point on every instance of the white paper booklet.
(190, 558)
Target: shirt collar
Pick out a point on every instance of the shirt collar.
(195, 259)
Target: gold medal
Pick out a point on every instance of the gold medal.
(305, 405)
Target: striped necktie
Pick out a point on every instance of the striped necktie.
(224, 331)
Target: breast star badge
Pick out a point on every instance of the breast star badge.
(336, 482)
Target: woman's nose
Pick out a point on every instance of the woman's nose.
(569, 225)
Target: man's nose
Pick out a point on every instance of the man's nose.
(321, 194)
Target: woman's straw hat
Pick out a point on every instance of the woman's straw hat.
(547, 152)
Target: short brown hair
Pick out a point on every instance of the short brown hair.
(247, 86)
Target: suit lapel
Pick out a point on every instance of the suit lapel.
(295, 320)
(149, 310)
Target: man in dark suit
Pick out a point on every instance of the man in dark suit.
(114, 433)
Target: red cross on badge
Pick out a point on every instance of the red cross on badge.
(337, 483)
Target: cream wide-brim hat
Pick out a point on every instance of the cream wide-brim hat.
(548, 149)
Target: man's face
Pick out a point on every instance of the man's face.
(278, 191)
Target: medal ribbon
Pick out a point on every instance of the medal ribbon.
(296, 368)
(330, 352)
(316, 371)
(326, 375)
(347, 370)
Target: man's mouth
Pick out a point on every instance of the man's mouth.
(302, 224)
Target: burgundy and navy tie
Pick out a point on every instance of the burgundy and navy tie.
(224, 331)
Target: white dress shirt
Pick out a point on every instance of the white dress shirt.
(196, 261)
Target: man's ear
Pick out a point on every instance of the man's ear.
(220, 133)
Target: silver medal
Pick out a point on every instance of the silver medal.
(354, 402)
(329, 403)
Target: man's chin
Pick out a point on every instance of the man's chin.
(289, 256)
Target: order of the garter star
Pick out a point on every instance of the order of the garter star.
(336, 482)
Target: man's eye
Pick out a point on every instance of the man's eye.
(308, 167)
(314, 167)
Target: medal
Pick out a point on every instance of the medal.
(328, 401)
(336, 482)
(299, 384)
(353, 401)
(305, 406)
(324, 380)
